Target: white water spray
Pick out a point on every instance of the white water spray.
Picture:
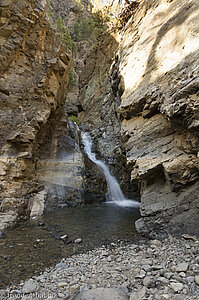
(114, 194)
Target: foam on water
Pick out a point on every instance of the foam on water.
(115, 194)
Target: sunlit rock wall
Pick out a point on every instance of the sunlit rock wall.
(159, 63)
(34, 75)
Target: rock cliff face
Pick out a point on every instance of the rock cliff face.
(34, 75)
(160, 112)
(100, 92)
(155, 75)
(139, 98)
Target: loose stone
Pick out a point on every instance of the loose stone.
(78, 241)
(30, 286)
(197, 279)
(176, 286)
(182, 267)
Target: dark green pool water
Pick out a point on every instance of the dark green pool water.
(30, 248)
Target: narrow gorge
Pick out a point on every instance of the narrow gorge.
(128, 79)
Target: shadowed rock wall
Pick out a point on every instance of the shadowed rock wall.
(100, 92)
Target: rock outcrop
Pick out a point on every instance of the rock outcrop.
(139, 98)
(100, 91)
(160, 112)
(34, 75)
(155, 75)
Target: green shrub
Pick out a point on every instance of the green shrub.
(96, 33)
(65, 35)
(72, 79)
(60, 26)
(78, 7)
(88, 29)
(74, 47)
(73, 119)
(66, 39)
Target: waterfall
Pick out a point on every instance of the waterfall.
(114, 194)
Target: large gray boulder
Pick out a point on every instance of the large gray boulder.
(101, 294)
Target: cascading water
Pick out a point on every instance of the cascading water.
(114, 194)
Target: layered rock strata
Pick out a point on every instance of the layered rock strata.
(155, 75)
(160, 112)
(100, 91)
(34, 75)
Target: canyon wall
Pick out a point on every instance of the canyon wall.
(34, 75)
(159, 57)
(149, 82)
(100, 91)
(139, 99)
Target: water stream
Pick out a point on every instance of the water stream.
(30, 248)
(115, 194)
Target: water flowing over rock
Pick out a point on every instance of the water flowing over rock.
(152, 85)
(138, 98)
(114, 194)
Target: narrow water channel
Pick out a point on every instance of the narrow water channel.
(30, 248)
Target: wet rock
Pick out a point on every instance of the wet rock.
(102, 294)
(2, 235)
(78, 241)
(63, 237)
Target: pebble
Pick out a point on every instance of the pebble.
(148, 282)
(30, 286)
(176, 286)
(153, 270)
(197, 279)
(62, 284)
(182, 267)
(78, 241)
(63, 237)
(168, 275)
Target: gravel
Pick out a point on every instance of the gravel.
(154, 269)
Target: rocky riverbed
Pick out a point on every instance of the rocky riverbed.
(147, 269)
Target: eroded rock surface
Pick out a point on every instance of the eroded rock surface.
(100, 91)
(159, 112)
(34, 75)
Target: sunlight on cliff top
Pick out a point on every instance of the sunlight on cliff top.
(162, 41)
